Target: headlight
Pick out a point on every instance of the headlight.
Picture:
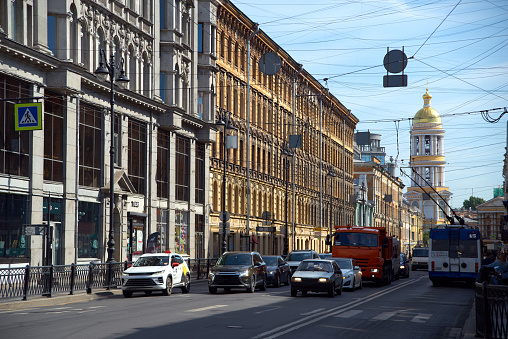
(158, 272)
(270, 272)
(402, 266)
(211, 275)
(244, 273)
(323, 280)
(374, 270)
(349, 275)
(125, 273)
(297, 279)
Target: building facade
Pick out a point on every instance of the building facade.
(428, 166)
(60, 174)
(491, 222)
(266, 110)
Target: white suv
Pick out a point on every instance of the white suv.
(156, 272)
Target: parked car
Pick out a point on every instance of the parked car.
(404, 266)
(420, 258)
(156, 272)
(294, 258)
(277, 270)
(317, 275)
(238, 270)
(351, 273)
(325, 255)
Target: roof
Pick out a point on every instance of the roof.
(427, 114)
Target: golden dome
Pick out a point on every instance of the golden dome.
(427, 114)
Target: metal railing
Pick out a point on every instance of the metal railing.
(23, 282)
(491, 310)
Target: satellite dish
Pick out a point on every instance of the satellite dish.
(270, 63)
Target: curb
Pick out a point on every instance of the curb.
(469, 329)
(60, 299)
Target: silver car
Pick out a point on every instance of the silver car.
(351, 272)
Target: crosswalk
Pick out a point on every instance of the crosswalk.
(399, 315)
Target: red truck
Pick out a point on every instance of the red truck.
(377, 253)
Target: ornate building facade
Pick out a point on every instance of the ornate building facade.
(277, 106)
(428, 166)
(49, 51)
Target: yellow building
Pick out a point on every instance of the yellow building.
(264, 120)
(428, 166)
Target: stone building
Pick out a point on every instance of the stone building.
(491, 222)
(275, 107)
(49, 51)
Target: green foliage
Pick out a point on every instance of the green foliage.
(426, 238)
(472, 202)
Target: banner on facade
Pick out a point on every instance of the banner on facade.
(151, 242)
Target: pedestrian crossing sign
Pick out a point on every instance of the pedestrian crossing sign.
(28, 117)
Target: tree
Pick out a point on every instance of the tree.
(472, 202)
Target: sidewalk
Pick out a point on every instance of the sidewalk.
(469, 329)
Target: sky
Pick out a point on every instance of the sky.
(458, 49)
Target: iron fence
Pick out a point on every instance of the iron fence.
(46, 280)
(491, 310)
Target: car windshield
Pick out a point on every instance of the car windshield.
(298, 256)
(235, 259)
(356, 239)
(344, 264)
(420, 252)
(152, 261)
(270, 261)
(315, 266)
(325, 255)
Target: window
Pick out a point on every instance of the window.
(14, 145)
(200, 174)
(200, 105)
(52, 33)
(14, 215)
(182, 169)
(427, 145)
(162, 10)
(200, 37)
(53, 137)
(161, 175)
(89, 242)
(137, 155)
(163, 86)
(90, 123)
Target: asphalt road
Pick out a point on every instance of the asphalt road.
(408, 308)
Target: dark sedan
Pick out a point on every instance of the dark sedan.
(277, 269)
(317, 275)
(238, 270)
(404, 266)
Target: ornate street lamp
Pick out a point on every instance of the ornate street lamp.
(111, 69)
(286, 154)
(224, 124)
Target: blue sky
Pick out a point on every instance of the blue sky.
(460, 51)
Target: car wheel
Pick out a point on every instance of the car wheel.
(331, 291)
(169, 287)
(127, 294)
(252, 286)
(148, 292)
(277, 282)
(293, 292)
(354, 285)
(288, 279)
(212, 290)
(186, 285)
(263, 285)
(339, 291)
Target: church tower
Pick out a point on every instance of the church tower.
(428, 161)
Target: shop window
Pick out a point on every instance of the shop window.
(182, 232)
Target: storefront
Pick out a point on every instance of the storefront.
(136, 235)
(13, 215)
(89, 239)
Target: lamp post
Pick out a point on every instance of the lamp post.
(286, 154)
(332, 175)
(224, 124)
(111, 69)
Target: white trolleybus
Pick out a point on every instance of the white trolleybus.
(454, 254)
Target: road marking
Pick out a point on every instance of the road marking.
(349, 314)
(96, 306)
(421, 318)
(312, 312)
(206, 308)
(268, 310)
(295, 325)
(384, 316)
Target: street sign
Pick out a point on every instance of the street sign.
(265, 229)
(28, 117)
(266, 215)
(266, 222)
(221, 228)
(222, 214)
(34, 230)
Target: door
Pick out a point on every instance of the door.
(454, 251)
(135, 238)
(177, 270)
(58, 244)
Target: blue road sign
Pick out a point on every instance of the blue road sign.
(28, 117)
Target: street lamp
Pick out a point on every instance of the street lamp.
(103, 70)
(224, 124)
(332, 175)
(286, 154)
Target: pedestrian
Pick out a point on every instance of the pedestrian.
(488, 259)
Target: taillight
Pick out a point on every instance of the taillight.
(476, 267)
(432, 265)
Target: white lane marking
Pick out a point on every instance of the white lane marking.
(421, 318)
(96, 306)
(312, 312)
(60, 308)
(50, 312)
(268, 310)
(85, 311)
(349, 314)
(292, 326)
(206, 308)
(384, 316)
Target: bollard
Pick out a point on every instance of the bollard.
(27, 281)
(50, 287)
(199, 268)
(90, 279)
(73, 274)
